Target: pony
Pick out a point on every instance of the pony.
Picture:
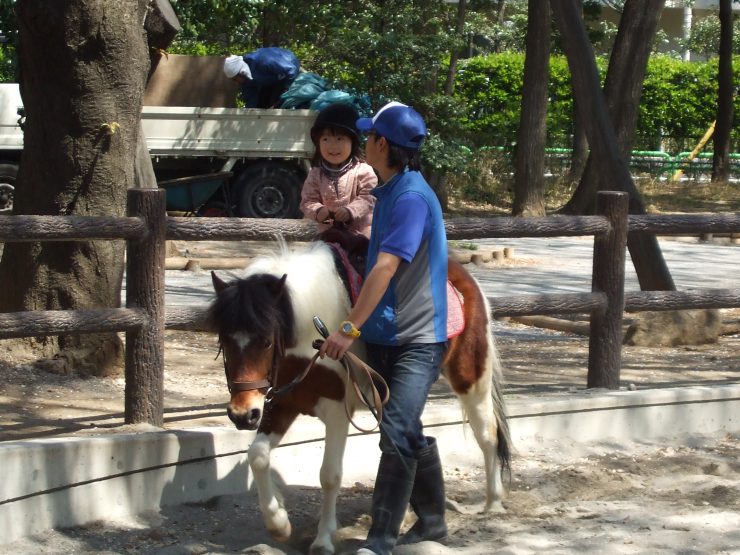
(264, 322)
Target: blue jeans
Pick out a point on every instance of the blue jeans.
(410, 371)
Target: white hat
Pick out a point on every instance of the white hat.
(235, 65)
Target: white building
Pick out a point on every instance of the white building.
(677, 19)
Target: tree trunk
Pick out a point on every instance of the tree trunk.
(529, 178)
(83, 66)
(438, 182)
(579, 155)
(161, 26)
(622, 92)
(647, 257)
(455, 54)
(723, 127)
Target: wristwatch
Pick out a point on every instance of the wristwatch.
(349, 329)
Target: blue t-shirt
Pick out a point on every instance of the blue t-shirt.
(408, 223)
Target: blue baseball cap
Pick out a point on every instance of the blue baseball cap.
(400, 124)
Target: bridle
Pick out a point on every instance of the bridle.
(357, 372)
(269, 383)
(236, 386)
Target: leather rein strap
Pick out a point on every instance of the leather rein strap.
(359, 373)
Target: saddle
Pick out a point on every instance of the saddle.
(350, 257)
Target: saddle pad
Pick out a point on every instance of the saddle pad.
(455, 315)
(354, 279)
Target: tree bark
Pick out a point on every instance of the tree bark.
(83, 66)
(529, 178)
(455, 54)
(723, 127)
(161, 26)
(652, 272)
(579, 156)
(622, 92)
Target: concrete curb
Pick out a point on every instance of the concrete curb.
(65, 482)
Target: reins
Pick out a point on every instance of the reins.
(358, 372)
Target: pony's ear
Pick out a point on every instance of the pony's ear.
(279, 288)
(218, 284)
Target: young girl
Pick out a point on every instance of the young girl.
(337, 188)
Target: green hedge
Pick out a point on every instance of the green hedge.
(7, 65)
(679, 99)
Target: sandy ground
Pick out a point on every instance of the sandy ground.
(38, 404)
(678, 497)
(682, 496)
(617, 498)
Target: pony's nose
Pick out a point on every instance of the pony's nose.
(248, 420)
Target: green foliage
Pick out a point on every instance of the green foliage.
(400, 49)
(490, 87)
(223, 25)
(485, 178)
(8, 24)
(704, 37)
(679, 99)
(8, 64)
(9, 31)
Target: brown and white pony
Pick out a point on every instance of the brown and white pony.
(265, 327)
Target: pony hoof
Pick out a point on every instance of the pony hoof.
(320, 550)
(282, 535)
(494, 507)
(280, 528)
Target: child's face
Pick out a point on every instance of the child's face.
(335, 147)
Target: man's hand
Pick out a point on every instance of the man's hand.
(336, 345)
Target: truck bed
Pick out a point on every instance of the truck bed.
(228, 132)
(195, 131)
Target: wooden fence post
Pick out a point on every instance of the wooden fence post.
(605, 339)
(144, 394)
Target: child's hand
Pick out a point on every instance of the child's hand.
(322, 214)
(342, 215)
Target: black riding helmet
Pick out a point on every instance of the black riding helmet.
(339, 115)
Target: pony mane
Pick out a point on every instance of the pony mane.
(259, 304)
(313, 283)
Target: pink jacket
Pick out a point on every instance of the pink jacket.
(352, 190)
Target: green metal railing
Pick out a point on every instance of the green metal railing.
(656, 163)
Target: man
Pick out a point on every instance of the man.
(264, 75)
(401, 313)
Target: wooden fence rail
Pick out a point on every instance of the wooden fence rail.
(145, 318)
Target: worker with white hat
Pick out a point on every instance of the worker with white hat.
(263, 75)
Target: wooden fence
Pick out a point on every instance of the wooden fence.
(144, 318)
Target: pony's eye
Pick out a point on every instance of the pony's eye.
(267, 343)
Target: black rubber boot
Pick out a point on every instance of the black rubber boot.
(390, 501)
(428, 498)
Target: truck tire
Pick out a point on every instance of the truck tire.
(8, 173)
(268, 190)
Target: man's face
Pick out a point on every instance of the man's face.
(239, 78)
(372, 155)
